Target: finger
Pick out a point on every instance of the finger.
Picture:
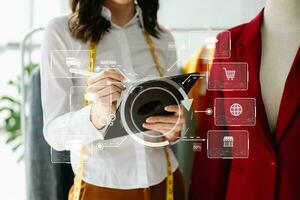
(94, 88)
(159, 126)
(114, 97)
(104, 91)
(109, 99)
(107, 82)
(108, 91)
(174, 108)
(112, 74)
(172, 136)
(166, 119)
(166, 132)
(153, 128)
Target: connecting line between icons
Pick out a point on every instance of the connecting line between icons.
(172, 66)
(208, 111)
(200, 111)
(191, 139)
(106, 144)
(193, 75)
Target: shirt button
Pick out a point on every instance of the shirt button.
(272, 163)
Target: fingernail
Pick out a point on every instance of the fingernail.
(144, 125)
(148, 119)
(167, 108)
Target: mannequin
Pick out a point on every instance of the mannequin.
(269, 41)
(280, 42)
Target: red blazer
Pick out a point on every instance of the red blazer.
(272, 170)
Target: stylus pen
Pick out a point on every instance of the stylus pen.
(81, 72)
(87, 73)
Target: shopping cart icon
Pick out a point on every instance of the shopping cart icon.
(230, 74)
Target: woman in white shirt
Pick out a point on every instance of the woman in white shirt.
(119, 28)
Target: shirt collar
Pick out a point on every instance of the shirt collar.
(137, 18)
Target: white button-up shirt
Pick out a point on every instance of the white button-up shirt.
(66, 121)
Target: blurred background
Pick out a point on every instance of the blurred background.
(17, 18)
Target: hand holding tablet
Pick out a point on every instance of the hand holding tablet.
(153, 105)
(169, 125)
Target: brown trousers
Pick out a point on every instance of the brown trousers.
(156, 192)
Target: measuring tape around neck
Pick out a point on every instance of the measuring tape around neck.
(80, 169)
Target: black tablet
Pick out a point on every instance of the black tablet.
(149, 98)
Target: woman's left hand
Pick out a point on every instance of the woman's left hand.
(165, 123)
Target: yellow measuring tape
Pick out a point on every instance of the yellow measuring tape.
(80, 169)
(169, 191)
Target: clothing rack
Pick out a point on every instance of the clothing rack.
(23, 81)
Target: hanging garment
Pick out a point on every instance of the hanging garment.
(272, 169)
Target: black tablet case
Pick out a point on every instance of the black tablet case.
(150, 102)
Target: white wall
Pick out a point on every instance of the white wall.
(203, 13)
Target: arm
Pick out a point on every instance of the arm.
(61, 125)
(171, 126)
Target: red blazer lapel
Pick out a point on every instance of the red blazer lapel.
(249, 50)
(290, 101)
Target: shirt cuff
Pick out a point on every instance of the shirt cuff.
(81, 125)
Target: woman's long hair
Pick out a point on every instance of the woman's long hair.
(88, 25)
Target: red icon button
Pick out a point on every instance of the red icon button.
(235, 111)
(227, 144)
(228, 77)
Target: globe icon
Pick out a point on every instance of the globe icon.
(236, 109)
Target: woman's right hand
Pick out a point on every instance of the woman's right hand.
(106, 88)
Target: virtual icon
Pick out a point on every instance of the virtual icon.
(197, 147)
(100, 146)
(72, 59)
(227, 144)
(73, 62)
(228, 141)
(228, 77)
(209, 111)
(110, 119)
(230, 74)
(235, 111)
(212, 40)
